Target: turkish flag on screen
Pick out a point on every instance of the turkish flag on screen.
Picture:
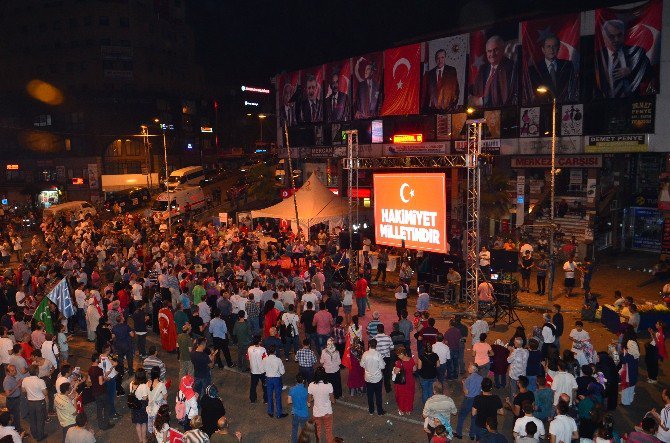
(402, 78)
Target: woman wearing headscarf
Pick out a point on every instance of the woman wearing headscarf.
(628, 371)
(356, 374)
(212, 409)
(157, 396)
(189, 398)
(330, 359)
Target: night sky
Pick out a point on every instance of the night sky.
(251, 41)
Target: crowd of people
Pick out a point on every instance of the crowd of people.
(213, 293)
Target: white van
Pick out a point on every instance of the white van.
(179, 198)
(191, 175)
(82, 209)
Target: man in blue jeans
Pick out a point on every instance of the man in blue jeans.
(297, 398)
(109, 376)
(274, 369)
(472, 387)
(453, 338)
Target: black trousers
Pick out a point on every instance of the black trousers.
(255, 378)
(374, 391)
(651, 359)
(541, 283)
(14, 408)
(400, 306)
(386, 373)
(335, 379)
(381, 270)
(222, 345)
(102, 411)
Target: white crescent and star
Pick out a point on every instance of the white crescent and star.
(402, 193)
(655, 33)
(399, 62)
(356, 71)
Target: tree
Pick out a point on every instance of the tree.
(263, 186)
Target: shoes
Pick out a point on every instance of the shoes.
(270, 415)
(382, 413)
(284, 415)
(372, 413)
(471, 437)
(116, 416)
(459, 436)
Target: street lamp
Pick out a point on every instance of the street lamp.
(545, 90)
(261, 117)
(163, 127)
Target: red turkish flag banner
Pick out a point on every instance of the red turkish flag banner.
(634, 34)
(176, 436)
(402, 80)
(168, 330)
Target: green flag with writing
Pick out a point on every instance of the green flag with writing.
(43, 314)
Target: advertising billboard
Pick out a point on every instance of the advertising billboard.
(411, 210)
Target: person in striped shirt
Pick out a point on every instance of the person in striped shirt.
(384, 347)
(372, 326)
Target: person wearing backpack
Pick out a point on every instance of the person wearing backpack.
(186, 405)
(548, 334)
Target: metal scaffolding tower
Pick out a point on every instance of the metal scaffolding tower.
(473, 192)
(352, 164)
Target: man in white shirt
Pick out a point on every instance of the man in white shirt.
(50, 350)
(274, 369)
(290, 320)
(444, 354)
(578, 336)
(373, 363)
(548, 334)
(136, 290)
(310, 296)
(478, 328)
(518, 360)
(520, 423)
(563, 428)
(564, 383)
(663, 419)
(36, 392)
(484, 259)
(6, 345)
(569, 269)
(256, 291)
(287, 296)
(6, 428)
(256, 354)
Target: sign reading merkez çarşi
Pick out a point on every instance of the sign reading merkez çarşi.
(562, 161)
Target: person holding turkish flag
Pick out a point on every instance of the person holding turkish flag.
(167, 328)
(402, 80)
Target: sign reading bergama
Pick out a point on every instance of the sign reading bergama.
(410, 211)
(562, 161)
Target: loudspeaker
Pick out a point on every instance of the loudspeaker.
(356, 241)
(506, 261)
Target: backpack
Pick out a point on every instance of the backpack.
(180, 407)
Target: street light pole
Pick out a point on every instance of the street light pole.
(552, 255)
(167, 185)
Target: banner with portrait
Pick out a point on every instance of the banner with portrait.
(443, 85)
(494, 73)
(550, 50)
(402, 80)
(367, 87)
(338, 92)
(628, 50)
(288, 85)
(309, 108)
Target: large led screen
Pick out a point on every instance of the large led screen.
(411, 208)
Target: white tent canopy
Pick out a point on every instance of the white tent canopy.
(316, 204)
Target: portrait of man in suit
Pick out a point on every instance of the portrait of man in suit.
(440, 90)
(556, 74)
(311, 108)
(287, 109)
(368, 94)
(623, 70)
(495, 84)
(337, 102)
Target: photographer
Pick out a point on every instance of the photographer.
(108, 366)
(102, 406)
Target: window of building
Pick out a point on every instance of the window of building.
(42, 27)
(107, 64)
(74, 23)
(53, 68)
(77, 117)
(124, 43)
(105, 42)
(74, 44)
(83, 66)
(58, 25)
(13, 175)
(134, 148)
(115, 149)
(128, 66)
(124, 22)
(43, 120)
(103, 20)
(69, 67)
(88, 20)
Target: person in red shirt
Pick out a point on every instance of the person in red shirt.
(361, 295)
(124, 299)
